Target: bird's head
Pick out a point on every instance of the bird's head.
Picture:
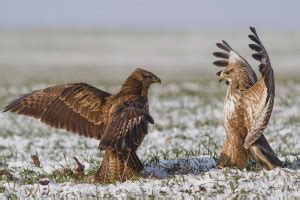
(227, 75)
(231, 74)
(236, 70)
(139, 82)
(237, 74)
(145, 77)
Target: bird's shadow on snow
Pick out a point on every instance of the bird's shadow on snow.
(169, 168)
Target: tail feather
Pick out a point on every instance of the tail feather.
(119, 167)
(262, 152)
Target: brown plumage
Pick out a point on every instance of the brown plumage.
(247, 107)
(119, 121)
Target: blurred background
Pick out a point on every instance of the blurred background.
(50, 42)
(100, 41)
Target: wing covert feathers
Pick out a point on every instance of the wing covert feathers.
(76, 107)
(259, 99)
(126, 128)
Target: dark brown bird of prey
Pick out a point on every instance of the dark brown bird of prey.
(120, 121)
(248, 106)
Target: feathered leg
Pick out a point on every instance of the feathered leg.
(233, 153)
(225, 157)
(262, 152)
(118, 167)
(239, 157)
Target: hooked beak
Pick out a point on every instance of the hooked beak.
(155, 79)
(221, 77)
(219, 74)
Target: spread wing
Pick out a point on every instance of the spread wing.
(230, 58)
(126, 128)
(259, 99)
(76, 107)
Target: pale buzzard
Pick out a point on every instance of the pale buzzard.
(247, 107)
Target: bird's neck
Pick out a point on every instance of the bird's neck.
(241, 84)
(133, 87)
(233, 89)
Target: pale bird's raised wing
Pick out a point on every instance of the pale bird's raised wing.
(259, 99)
(230, 58)
(126, 128)
(76, 107)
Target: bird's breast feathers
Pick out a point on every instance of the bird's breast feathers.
(231, 111)
(230, 105)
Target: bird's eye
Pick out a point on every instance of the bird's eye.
(227, 72)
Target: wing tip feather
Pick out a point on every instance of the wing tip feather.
(221, 63)
(221, 55)
(253, 30)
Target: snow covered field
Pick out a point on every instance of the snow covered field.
(181, 149)
(179, 152)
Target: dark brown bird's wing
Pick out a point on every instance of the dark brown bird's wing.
(126, 128)
(230, 58)
(76, 107)
(259, 99)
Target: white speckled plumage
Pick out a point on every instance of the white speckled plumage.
(247, 107)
